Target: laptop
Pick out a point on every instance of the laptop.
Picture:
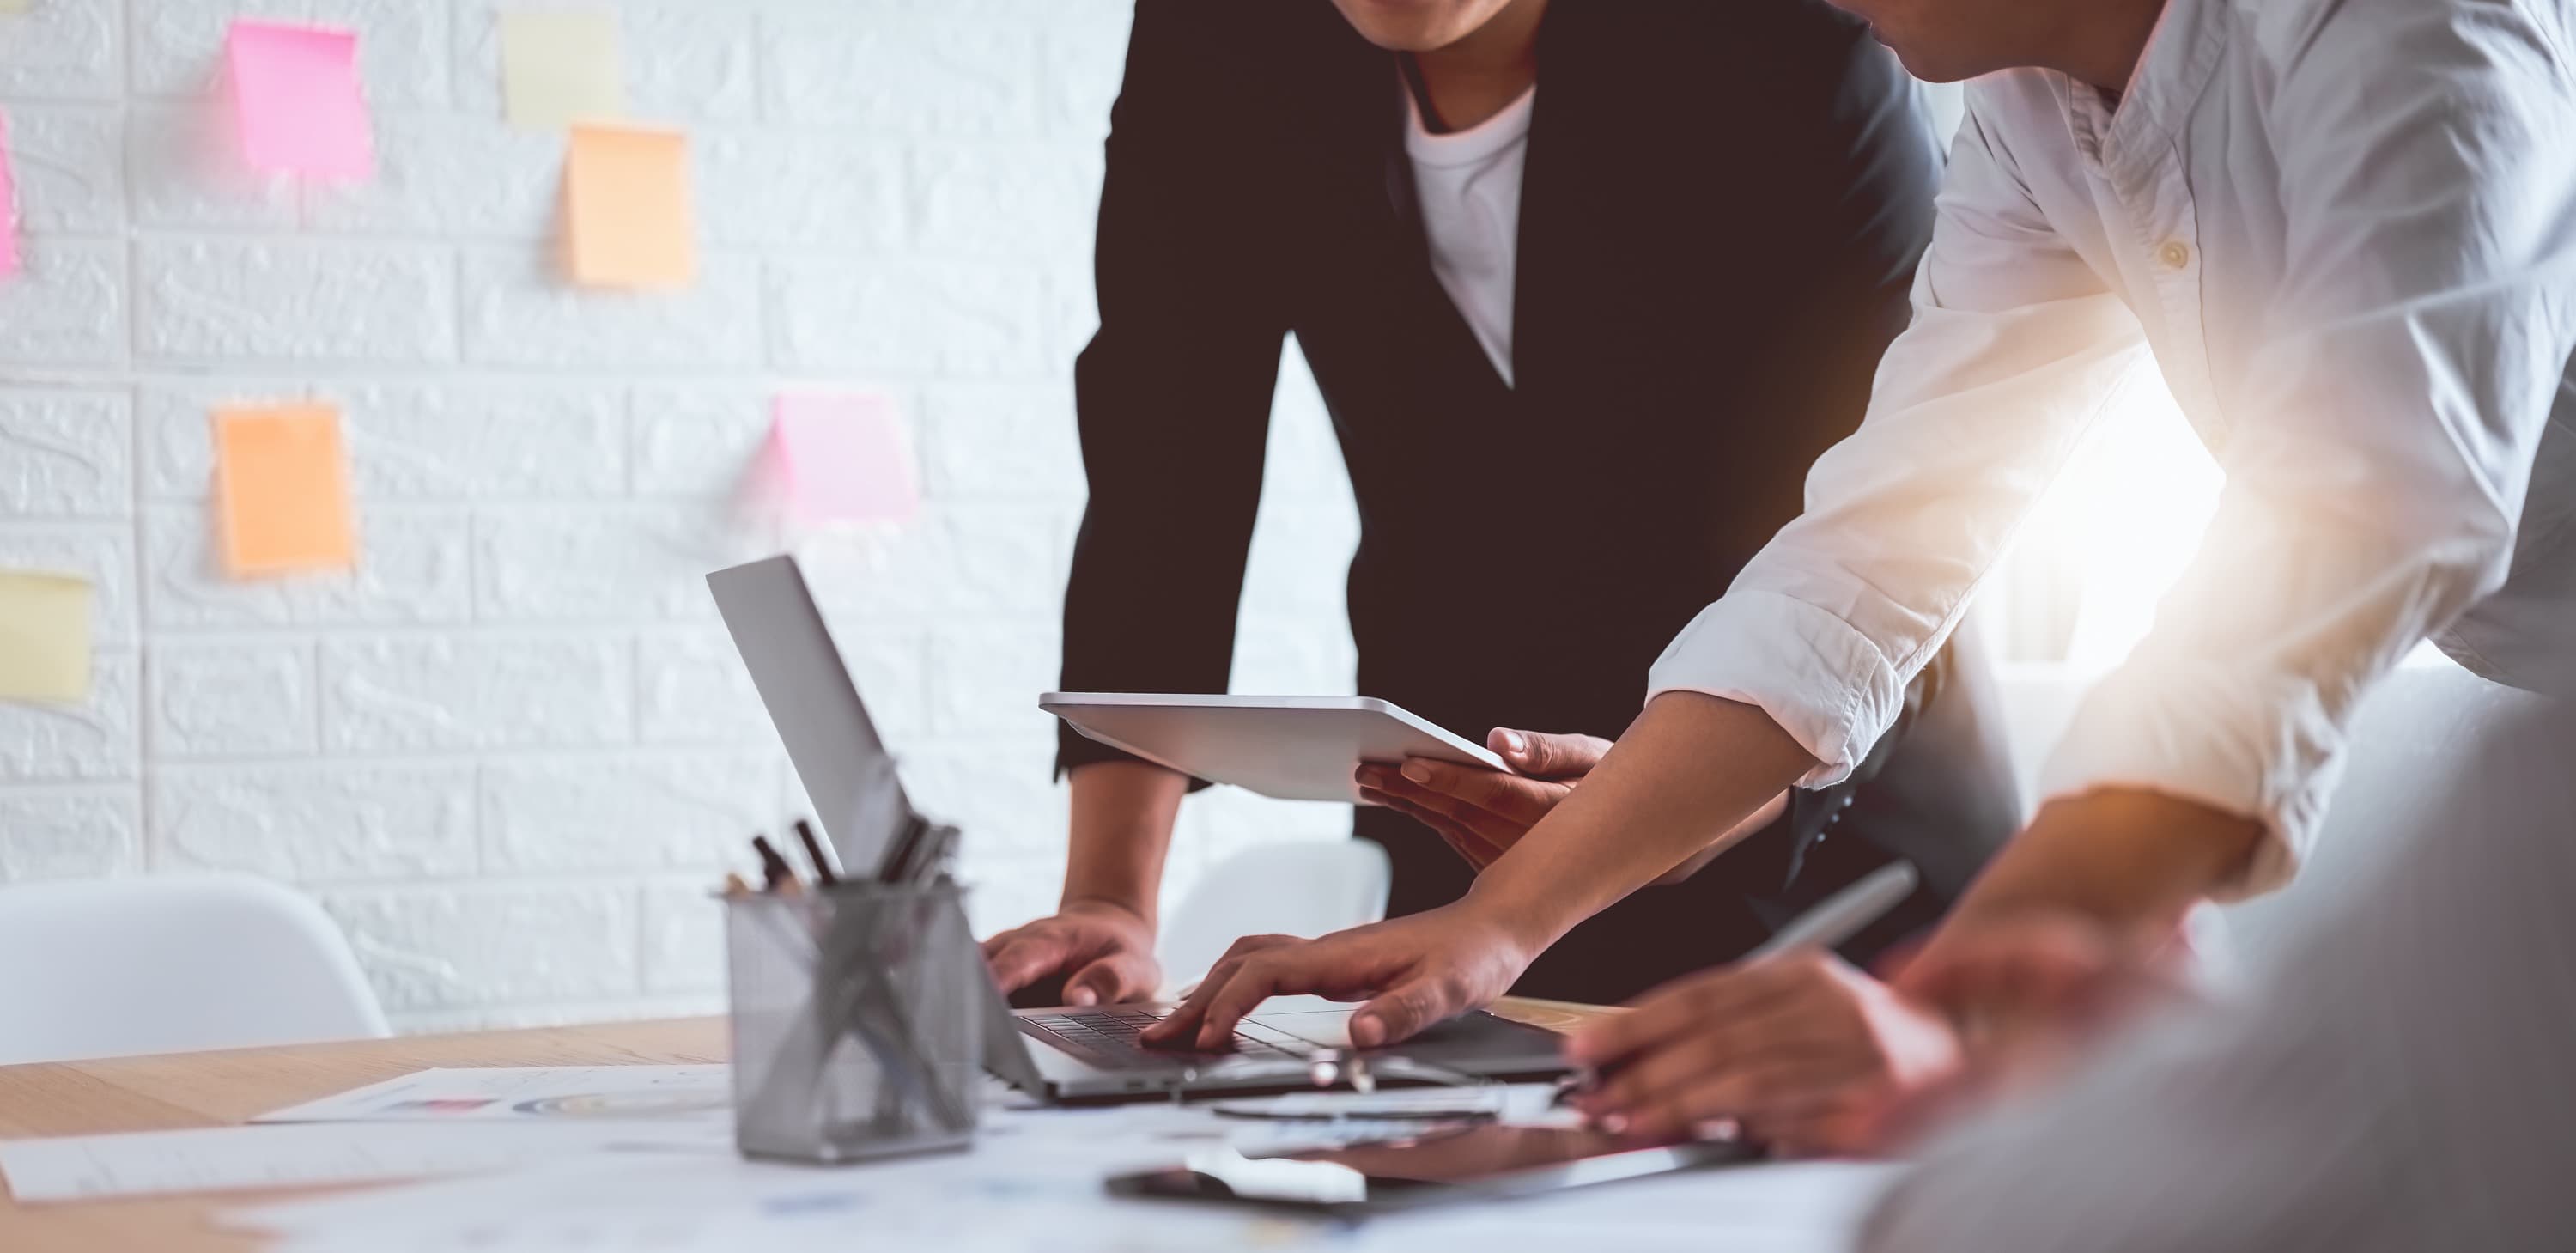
(1064, 1054)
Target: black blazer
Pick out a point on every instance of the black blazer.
(1722, 207)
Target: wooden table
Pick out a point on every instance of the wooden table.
(215, 1089)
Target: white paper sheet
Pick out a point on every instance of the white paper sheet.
(529, 1094)
(963, 1204)
(220, 1158)
(1034, 1181)
(1020, 1155)
(1019, 1199)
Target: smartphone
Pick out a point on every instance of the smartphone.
(1483, 1162)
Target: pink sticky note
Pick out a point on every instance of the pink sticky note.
(8, 206)
(296, 89)
(842, 459)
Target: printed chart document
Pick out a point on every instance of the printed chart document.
(210, 1159)
(553, 1095)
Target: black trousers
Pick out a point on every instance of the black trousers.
(1936, 791)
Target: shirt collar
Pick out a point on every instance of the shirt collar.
(2180, 56)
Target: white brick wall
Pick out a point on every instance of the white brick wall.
(512, 750)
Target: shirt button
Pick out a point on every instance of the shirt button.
(2175, 254)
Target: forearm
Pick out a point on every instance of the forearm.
(2129, 858)
(1122, 829)
(1687, 774)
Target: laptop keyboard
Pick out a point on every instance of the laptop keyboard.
(1106, 1038)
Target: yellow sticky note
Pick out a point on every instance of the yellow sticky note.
(282, 487)
(557, 68)
(44, 636)
(626, 194)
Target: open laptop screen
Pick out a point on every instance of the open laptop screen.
(816, 708)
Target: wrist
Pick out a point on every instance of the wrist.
(2126, 858)
(1121, 825)
(1129, 908)
(1529, 922)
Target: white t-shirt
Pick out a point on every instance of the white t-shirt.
(1469, 183)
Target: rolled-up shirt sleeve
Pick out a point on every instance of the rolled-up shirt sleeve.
(2378, 466)
(2016, 346)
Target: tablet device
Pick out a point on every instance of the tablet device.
(1295, 748)
(1482, 1162)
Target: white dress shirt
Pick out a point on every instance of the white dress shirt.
(2347, 231)
(1469, 186)
(2396, 1083)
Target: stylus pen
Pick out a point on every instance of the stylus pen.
(1843, 915)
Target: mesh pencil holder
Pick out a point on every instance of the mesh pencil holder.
(856, 1028)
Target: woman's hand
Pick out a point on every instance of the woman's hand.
(1479, 812)
(1104, 951)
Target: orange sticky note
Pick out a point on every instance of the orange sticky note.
(282, 486)
(626, 195)
(44, 636)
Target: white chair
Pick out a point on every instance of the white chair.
(1305, 888)
(114, 967)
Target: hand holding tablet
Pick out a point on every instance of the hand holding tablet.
(1481, 813)
(1299, 748)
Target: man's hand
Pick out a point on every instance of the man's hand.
(1412, 971)
(2060, 967)
(1801, 1050)
(2032, 993)
(1482, 813)
(1106, 949)
(1817, 1057)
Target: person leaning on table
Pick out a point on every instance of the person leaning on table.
(2346, 229)
(2396, 1083)
(1586, 288)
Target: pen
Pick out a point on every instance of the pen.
(776, 874)
(825, 873)
(897, 864)
(1843, 915)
